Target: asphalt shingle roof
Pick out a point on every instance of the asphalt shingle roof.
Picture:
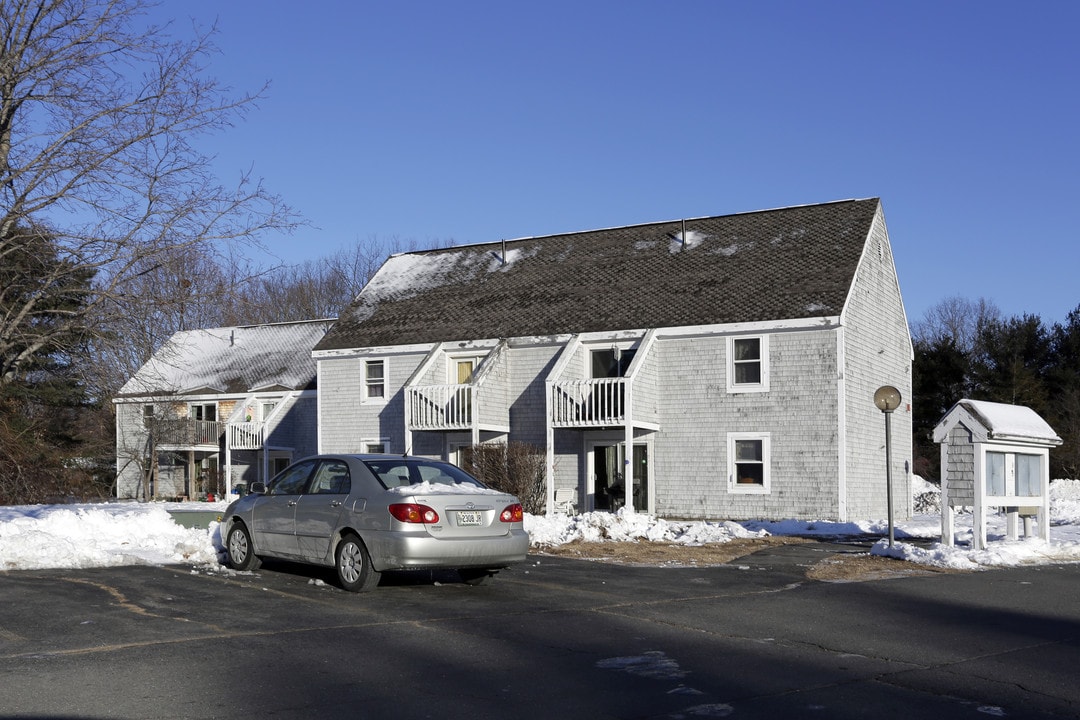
(788, 263)
(232, 360)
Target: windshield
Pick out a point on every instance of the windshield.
(399, 472)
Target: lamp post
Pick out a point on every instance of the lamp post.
(887, 399)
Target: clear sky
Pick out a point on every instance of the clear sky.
(476, 121)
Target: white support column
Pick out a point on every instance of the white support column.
(228, 462)
(948, 531)
(628, 454)
(549, 446)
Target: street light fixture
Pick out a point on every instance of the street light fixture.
(887, 399)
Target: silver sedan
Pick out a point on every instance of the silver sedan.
(363, 514)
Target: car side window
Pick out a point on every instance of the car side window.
(391, 475)
(332, 478)
(292, 480)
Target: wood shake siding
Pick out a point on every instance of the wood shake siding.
(347, 420)
(877, 351)
(698, 413)
(529, 365)
(960, 467)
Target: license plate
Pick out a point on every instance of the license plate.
(469, 517)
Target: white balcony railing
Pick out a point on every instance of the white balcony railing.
(247, 435)
(588, 403)
(441, 407)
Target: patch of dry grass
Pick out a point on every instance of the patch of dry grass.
(840, 567)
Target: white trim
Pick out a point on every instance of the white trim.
(825, 322)
(737, 488)
(758, 387)
(841, 427)
(365, 398)
(384, 441)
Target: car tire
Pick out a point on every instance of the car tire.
(239, 549)
(473, 576)
(352, 563)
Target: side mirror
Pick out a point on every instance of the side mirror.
(257, 488)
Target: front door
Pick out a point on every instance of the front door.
(607, 468)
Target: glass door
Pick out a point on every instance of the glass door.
(608, 477)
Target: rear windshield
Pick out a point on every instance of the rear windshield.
(399, 472)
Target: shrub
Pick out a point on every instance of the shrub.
(515, 467)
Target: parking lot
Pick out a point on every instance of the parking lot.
(550, 638)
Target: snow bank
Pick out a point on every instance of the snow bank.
(82, 536)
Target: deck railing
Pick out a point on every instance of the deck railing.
(588, 403)
(441, 407)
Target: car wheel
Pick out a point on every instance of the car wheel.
(475, 577)
(239, 549)
(353, 565)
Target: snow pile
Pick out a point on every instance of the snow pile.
(82, 536)
(623, 526)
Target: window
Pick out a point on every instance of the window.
(748, 462)
(610, 362)
(375, 380)
(293, 481)
(332, 478)
(375, 447)
(748, 364)
(1013, 474)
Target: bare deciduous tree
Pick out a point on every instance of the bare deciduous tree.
(100, 114)
(957, 319)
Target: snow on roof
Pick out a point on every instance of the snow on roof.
(749, 267)
(234, 359)
(1000, 422)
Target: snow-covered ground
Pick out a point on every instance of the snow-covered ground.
(82, 536)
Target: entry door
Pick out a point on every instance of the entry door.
(461, 404)
(607, 480)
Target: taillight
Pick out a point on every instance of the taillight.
(413, 513)
(512, 513)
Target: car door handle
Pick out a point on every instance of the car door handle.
(335, 503)
(292, 503)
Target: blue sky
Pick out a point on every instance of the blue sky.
(479, 121)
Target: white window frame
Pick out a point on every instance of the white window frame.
(763, 345)
(366, 443)
(1010, 453)
(734, 486)
(367, 396)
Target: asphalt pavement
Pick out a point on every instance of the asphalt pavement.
(550, 638)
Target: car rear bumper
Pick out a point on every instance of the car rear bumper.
(401, 551)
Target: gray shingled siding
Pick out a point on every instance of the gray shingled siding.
(690, 450)
(130, 440)
(495, 390)
(877, 352)
(960, 467)
(647, 388)
(347, 420)
(529, 367)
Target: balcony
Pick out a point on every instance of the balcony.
(441, 407)
(599, 402)
(187, 433)
(247, 435)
